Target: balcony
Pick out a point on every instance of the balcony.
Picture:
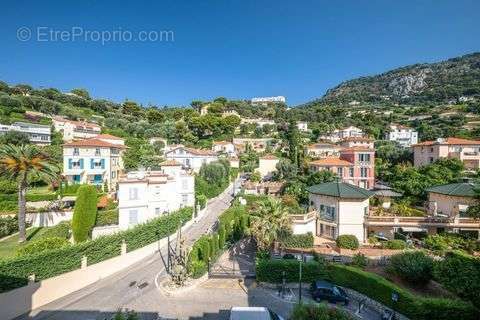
(427, 221)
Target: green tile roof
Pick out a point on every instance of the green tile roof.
(455, 189)
(340, 190)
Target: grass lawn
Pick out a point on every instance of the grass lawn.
(39, 190)
(9, 246)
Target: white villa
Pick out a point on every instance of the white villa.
(224, 147)
(75, 130)
(267, 165)
(144, 195)
(191, 158)
(405, 136)
(37, 133)
(302, 126)
(266, 100)
(95, 161)
(340, 134)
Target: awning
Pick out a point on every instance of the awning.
(413, 229)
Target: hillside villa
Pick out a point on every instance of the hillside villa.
(75, 130)
(144, 195)
(405, 136)
(224, 147)
(267, 165)
(468, 151)
(340, 134)
(323, 150)
(257, 144)
(191, 158)
(95, 161)
(38, 134)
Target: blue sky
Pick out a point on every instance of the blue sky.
(237, 49)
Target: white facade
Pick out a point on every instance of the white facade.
(266, 100)
(146, 195)
(403, 135)
(267, 165)
(259, 122)
(93, 161)
(302, 126)
(191, 158)
(224, 147)
(37, 133)
(340, 134)
(74, 130)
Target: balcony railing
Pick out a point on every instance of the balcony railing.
(428, 220)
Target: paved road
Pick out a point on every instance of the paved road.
(133, 287)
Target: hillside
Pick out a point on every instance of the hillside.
(415, 84)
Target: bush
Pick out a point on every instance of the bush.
(318, 311)
(412, 306)
(61, 230)
(440, 243)
(41, 245)
(414, 266)
(272, 270)
(8, 226)
(359, 260)
(298, 241)
(459, 273)
(396, 244)
(347, 241)
(8, 206)
(14, 272)
(7, 187)
(202, 200)
(84, 213)
(41, 197)
(107, 217)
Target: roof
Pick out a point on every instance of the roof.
(340, 190)
(200, 152)
(463, 189)
(269, 157)
(220, 143)
(107, 136)
(323, 145)
(358, 148)
(77, 123)
(448, 141)
(170, 163)
(94, 142)
(331, 162)
(363, 139)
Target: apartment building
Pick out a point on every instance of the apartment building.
(191, 158)
(353, 142)
(96, 161)
(340, 134)
(355, 165)
(144, 195)
(37, 133)
(323, 150)
(405, 136)
(75, 130)
(468, 151)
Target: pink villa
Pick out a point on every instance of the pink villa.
(468, 151)
(355, 165)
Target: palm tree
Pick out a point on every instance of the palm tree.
(270, 222)
(20, 163)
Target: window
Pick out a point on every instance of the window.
(364, 172)
(430, 159)
(364, 157)
(76, 151)
(340, 172)
(133, 194)
(351, 172)
(184, 199)
(113, 174)
(184, 184)
(97, 152)
(157, 211)
(132, 217)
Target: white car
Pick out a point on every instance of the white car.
(253, 313)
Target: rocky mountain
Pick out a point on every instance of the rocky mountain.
(415, 84)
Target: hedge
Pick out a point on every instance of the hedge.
(298, 241)
(396, 244)
(302, 311)
(347, 241)
(41, 245)
(30, 197)
(8, 226)
(107, 217)
(413, 266)
(84, 213)
(412, 306)
(14, 272)
(268, 270)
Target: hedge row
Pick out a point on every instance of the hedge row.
(268, 270)
(298, 241)
(14, 272)
(232, 226)
(30, 197)
(107, 217)
(412, 306)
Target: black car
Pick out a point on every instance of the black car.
(324, 290)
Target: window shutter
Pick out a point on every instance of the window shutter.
(81, 163)
(69, 163)
(91, 163)
(102, 162)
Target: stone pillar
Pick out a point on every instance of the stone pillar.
(31, 278)
(84, 262)
(123, 249)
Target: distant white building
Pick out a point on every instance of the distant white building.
(94, 161)
(191, 158)
(259, 122)
(75, 130)
(266, 100)
(405, 136)
(224, 147)
(340, 134)
(144, 195)
(267, 165)
(37, 133)
(302, 126)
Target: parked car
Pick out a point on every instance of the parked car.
(324, 290)
(253, 313)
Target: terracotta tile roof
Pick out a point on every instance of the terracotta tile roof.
(362, 139)
(170, 163)
(201, 152)
(221, 143)
(358, 148)
(107, 136)
(78, 123)
(269, 157)
(323, 145)
(331, 162)
(93, 143)
(449, 141)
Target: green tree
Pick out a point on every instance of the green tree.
(15, 138)
(84, 213)
(22, 163)
(81, 93)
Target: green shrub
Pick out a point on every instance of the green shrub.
(61, 230)
(459, 273)
(440, 243)
(84, 213)
(318, 311)
(298, 241)
(347, 241)
(359, 260)
(202, 200)
(271, 271)
(14, 272)
(8, 206)
(221, 237)
(8, 226)
(396, 244)
(7, 187)
(107, 217)
(415, 266)
(412, 306)
(41, 245)
(41, 197)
